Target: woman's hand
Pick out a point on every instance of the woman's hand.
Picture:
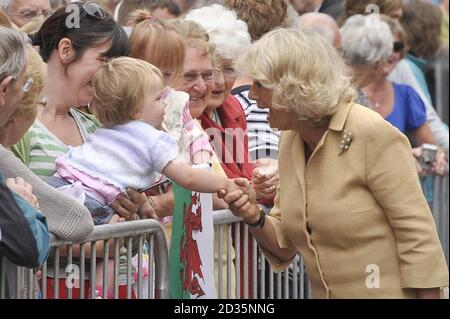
(161, 205)
(25, 190)
(265, 181)
(440, 165)
(240, 202)
(129, 207)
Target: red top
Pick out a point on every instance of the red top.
(230, 144)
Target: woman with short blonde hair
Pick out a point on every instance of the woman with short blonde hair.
(311, 85)
(349, 199)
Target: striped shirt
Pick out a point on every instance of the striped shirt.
(46, 147)
(262, 139)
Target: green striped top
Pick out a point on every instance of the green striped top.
(40, 148)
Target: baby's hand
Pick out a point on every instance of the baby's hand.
(243, 185)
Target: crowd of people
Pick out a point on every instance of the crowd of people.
(313, 116)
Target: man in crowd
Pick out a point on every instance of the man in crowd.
(23, 11)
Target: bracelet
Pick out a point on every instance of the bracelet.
(261, 220)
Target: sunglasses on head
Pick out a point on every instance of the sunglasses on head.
(92, 9)
(398, 46)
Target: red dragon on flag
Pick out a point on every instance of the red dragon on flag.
(189, 253)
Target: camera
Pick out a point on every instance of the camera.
(428, 157)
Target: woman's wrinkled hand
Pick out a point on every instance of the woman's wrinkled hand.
(440, 165)
(128, 207)
(265, 181)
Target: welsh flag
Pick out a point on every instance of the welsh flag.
(191, 256)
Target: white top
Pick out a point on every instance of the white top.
(124, 156)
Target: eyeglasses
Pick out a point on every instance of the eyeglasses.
(30, 15)
(207, 76)
(228, 72)
(92, 9)
(399, 47)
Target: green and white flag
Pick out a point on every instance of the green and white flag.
(191, 257)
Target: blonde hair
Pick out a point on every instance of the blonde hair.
(36, 71)
(306, 73)
(120, 86)
(195, 36)
(156, 41)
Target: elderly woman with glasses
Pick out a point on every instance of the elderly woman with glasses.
(371, 56)
(24, 237)
(349, 199)
(224, 113)
(224, 119)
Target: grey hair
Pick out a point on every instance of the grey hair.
(12, 52)
(366, 40)
(4, 4)
(228, 33)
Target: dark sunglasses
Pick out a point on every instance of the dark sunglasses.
(399, 47)
(92, 9)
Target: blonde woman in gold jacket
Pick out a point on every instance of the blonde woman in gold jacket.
(349, 199)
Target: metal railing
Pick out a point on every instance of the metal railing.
(255, 279)
(441, 78)
(27, 286)
(292, 283)
(435, 189)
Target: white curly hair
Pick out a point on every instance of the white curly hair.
(228, 33)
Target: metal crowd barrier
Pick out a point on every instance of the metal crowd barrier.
(435, 189)
(291, 283)
(25, 282)
(264, 283)
(441, 78)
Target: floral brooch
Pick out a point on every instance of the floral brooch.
(347, 139)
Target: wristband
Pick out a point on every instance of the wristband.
(261, 220)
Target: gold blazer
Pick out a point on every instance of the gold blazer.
(359, 218)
